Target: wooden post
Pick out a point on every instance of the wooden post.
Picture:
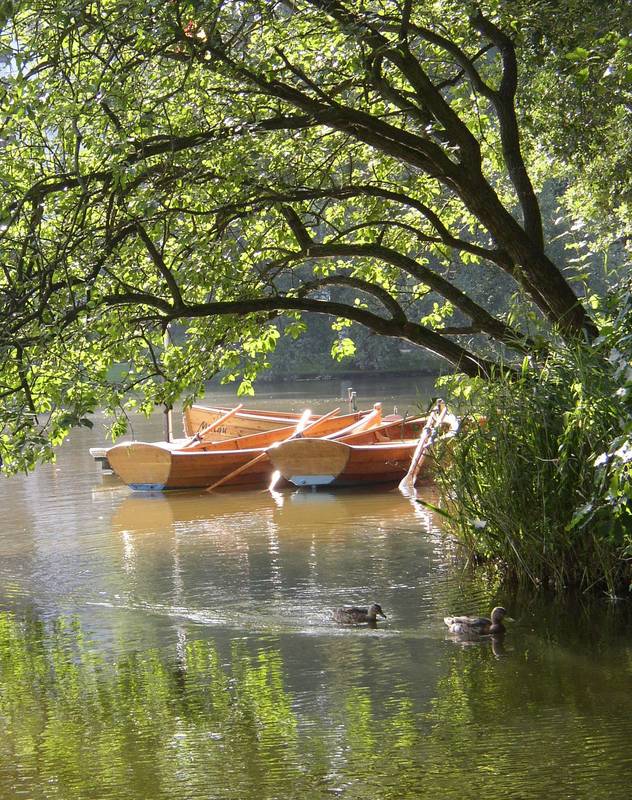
(168, 424)
(168, 418)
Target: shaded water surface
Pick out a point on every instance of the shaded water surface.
(181, 646)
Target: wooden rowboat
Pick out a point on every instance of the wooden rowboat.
(218, 423)
(319, 462)
(156, 467)
(381, 455)
(197, 419)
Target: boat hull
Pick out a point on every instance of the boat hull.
(317, 462)
(200, 426)
(158, 466)
(148, 468)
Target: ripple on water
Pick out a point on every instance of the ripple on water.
(182, 647)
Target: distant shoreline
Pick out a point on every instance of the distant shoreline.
(346, 375)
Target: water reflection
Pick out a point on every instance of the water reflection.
(142, 727)
(206, 720)
(146, 512)
(182, 646)
(267, 565)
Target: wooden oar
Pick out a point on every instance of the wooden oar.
(213, 426)
(426, 440)
(300, 430)
(368, 421)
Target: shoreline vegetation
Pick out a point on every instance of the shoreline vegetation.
(543, 489)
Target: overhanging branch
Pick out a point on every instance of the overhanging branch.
(385, 298)
(417, 334)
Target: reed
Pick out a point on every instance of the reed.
(537, 487)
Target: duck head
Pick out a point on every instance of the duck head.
(375, 610)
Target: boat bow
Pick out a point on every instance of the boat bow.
(310, 462)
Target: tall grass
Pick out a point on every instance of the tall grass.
(542, 486)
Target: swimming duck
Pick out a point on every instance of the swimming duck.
(355, 616)
(477, 626)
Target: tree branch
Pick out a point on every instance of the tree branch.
(498, 256)
(417, 334)
(387, 300)
(503, 101)
(401, 57)
(489, 324)
(162, 145)
(159, 262)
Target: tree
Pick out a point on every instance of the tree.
(218, 164)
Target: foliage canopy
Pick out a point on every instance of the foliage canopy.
(214, 165)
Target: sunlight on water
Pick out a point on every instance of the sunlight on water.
(182, 646)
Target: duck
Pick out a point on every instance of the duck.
(356, 616)
(478, 626)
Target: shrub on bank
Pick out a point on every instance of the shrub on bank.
(543, 487)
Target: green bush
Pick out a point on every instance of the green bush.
(543, 486)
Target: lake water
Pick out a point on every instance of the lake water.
(181, 647)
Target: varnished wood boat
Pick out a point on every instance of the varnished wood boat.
(218, 423)
(380, 455)
(319, 462)
(158, 466)
(197, 420)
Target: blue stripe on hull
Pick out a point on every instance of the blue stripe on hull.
(312, 480)
(147, 487)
